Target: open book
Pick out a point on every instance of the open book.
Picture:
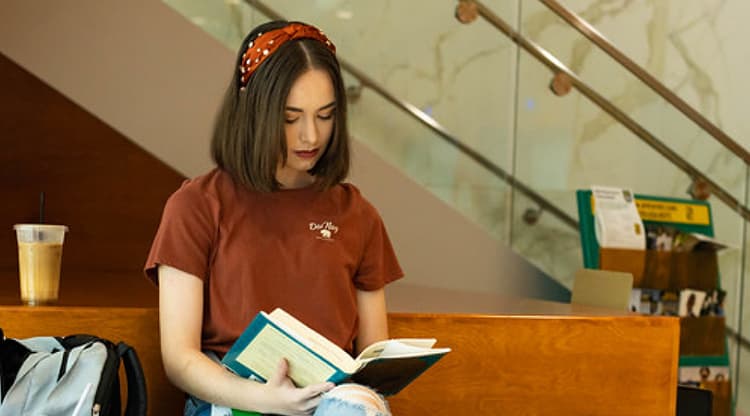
(386, 366)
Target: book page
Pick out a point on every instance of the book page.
(407, 347)
(264, 352)
(314, 340)
(399, 348)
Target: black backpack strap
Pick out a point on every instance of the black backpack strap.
(137, 397)
(12, 356)
(72, 341)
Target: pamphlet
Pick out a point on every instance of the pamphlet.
(618, 224)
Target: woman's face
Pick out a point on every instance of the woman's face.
(309, 120)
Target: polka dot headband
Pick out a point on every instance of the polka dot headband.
(265, 44)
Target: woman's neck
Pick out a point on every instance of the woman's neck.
(295, 180)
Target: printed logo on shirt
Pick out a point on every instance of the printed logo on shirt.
(324, 230)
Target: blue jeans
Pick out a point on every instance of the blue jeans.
(343, 400)
(352, 400)
(197, 407)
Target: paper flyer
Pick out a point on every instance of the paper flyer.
(618, 224)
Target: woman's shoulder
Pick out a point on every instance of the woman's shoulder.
(348, 188)
(353, 195)
(348, 191)
(211, 184)
(206, 188)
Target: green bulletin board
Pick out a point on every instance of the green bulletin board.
(590, 246)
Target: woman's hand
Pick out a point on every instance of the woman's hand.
(181, 316)
(293, 401)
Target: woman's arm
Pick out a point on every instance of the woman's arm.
(373, 320)
(180, 322)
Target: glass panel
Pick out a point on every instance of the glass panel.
(567, 143)
(693, 47)
(734, 372)
(227, 21)
(439, 167)
(658, 39)
(742, 396)
(728, 226)
(550, 244)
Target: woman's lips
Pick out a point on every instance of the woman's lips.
(306, 154)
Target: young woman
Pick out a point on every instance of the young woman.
(272, 226)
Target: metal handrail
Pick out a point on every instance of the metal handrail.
(558, 67)
(431, 123)
(604, 44)
(742, 341)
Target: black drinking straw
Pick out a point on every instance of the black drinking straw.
(41, 207)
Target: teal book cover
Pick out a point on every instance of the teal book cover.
(386, 366)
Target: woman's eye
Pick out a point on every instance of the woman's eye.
(291, 120)
(325, 116)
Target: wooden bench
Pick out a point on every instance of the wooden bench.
(512, 357)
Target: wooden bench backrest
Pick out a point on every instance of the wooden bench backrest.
(510, 365)
(543, 365)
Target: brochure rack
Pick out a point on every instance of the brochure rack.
(703, 348)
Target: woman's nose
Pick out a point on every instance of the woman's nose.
(309, 133)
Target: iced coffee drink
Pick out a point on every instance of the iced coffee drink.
(39, 261)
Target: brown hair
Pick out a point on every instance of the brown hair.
(248, 140)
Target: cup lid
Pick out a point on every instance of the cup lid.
(50, 227)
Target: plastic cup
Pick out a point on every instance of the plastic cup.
(39, 260)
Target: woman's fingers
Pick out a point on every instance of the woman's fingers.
(313, 394)
(281, 373)
(315, 390)
(301, 401)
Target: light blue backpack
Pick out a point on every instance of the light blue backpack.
(75, 375)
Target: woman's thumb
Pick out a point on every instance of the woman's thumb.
(281, 371)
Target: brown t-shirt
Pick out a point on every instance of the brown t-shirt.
(304, 250)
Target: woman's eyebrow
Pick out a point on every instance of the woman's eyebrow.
(299, 110)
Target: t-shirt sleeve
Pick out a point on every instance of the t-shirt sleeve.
(186, 234)
(379, 265)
